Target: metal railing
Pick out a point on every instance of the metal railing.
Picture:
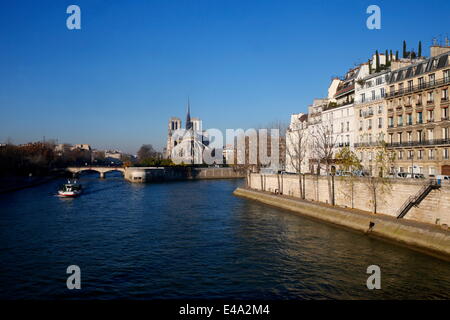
(419, 87)
(430, 142)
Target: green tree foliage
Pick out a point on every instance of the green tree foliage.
(377, 62)
(405, 53)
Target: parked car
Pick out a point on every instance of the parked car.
(360, 173)
(415, 176)
(341, 173)
(443, 177)
(400, 175)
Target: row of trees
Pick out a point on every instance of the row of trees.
(317, 146)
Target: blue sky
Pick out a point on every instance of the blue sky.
(244, 63)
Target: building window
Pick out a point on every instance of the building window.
(421, 83)
(348, 126)
(380, 122)
(430, 134)
(419, 100)
(409, 135)
(363, 97)
(444, 96)
(431, 79)
(431, 154)
(409, 116)
(445, 154)
(400, 155)
(419, 136)
(432, 171)
(420, 155)
(445, 133)
(399, 135)
(382, 92)
(430, 97)
(410, 85)
(410, 154)
(400, 120)
(419, 117)
(447, 75)
(430, 115)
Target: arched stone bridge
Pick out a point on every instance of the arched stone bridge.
(101, 170)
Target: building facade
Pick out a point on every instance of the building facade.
(370, 115)
(418, 117)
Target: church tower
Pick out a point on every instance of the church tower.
(188, 116)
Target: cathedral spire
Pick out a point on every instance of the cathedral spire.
(188, 116)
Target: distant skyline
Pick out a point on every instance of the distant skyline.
(116, 82)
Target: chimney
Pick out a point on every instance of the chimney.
(436, 49)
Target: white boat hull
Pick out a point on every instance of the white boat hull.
(68, 193)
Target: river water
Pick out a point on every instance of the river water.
(192, 239)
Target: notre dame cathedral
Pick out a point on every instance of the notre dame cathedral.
(186, 145)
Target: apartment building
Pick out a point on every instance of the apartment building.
(370, 115)
(417, 103)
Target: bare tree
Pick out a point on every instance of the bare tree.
(296, 146)
(349, 163)
(378, 181)
(324, 145)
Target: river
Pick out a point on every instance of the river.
(192, 239)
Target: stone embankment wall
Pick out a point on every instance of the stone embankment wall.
(354, 193)
(154, 174)
(422, 237)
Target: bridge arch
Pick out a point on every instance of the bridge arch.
(101, 170)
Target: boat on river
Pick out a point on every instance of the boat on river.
(70, 189)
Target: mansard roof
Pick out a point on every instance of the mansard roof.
(422, 67)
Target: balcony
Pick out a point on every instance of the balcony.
(444, 118)
(344, 90)
(430, 120)
(430, 102)
(366, 144)
(420, 87)
(431, 142)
